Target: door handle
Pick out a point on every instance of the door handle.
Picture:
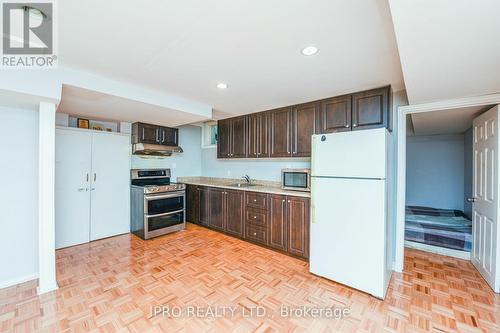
(471, 199)
(95, 176)
(82, 189)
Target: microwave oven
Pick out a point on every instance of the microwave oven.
(296, 179)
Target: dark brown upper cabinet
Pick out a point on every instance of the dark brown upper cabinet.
(280, 132)
(238, 137)
(232, 137)
(146, 133)
(169, 136)
(335, 114)
(370, 109)
(303, 127)
(224, 138)
(258, 135)
(287, 131)
(154, 134)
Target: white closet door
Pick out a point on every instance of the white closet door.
(110, 190)
(73, 156)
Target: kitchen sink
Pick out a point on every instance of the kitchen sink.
(243, 185)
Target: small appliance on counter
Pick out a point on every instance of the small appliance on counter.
(296, 179)
(157, 205)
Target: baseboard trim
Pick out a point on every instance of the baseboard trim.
(13, 282)
(438, 250)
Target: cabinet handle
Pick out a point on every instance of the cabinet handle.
(81, 189)
(347, 126)
(255, 234)
(354, 125)
(283, 200)
(95, 176)
(254, 200)
(255, 217)
(87, 177)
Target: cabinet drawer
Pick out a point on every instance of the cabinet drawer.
(256, 200)
(256, 217)
(256, 234)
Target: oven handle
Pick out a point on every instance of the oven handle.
(165, 214)
(166, 196)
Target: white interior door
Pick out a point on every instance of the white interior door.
(110, 180)
(485, 191)
(72, 175)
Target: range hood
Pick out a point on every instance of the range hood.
(154, 150)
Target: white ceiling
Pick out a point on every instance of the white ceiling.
(96, 105)
(187, 47)
(448, 49)
(452, 121)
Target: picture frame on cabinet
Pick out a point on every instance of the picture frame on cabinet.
(83, 123)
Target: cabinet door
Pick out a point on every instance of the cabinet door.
(192, 203)
(370, 109)
(277, 222)
(204, 205)
(258, 135)
(298, 226)
(216, 219)
(169, 136)
(238, 137)
(72, 185)
(110, 185)
(280, 132)
(335, 115)
(223, 138)
(304, 126)
(234, 212)
(149, 133)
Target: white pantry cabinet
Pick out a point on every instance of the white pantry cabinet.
(92, 185)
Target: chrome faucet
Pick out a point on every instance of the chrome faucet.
(247, 178)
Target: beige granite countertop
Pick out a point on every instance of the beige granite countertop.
(263, 186)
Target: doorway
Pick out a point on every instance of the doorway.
(440, 108)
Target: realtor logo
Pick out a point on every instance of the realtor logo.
(28, 35)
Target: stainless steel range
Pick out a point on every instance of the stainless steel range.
(158, 206)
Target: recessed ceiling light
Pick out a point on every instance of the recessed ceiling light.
(310, 50)
(222, 86)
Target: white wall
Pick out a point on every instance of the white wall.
(435, 171)
(18, 196)
(187, 163)
(266, 169)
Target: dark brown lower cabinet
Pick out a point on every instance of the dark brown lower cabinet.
(277, 222)
(203, 205)
(298, 226)
(234, 212)
(192, 203)
(217, 207)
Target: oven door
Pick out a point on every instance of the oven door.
(164, 213)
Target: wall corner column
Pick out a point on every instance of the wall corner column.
(46, 198)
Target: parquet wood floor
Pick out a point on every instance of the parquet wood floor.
(111, 286)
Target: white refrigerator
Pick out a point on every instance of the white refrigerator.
(349, 228)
